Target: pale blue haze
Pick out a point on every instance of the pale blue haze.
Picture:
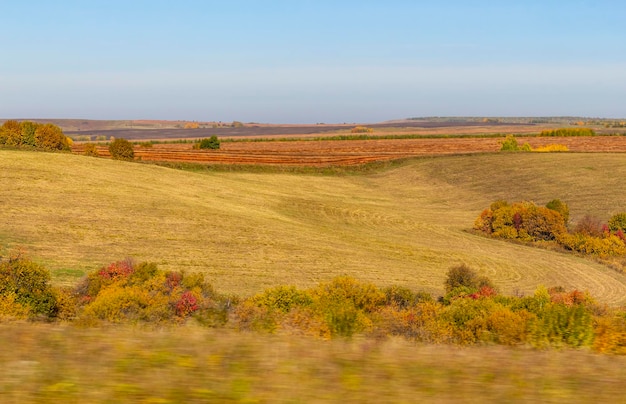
(311, 61)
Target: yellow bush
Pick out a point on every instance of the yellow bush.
(362, 129)
(551, 148)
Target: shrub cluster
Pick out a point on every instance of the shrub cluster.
(510, 144)
(527, 222)
(568, 132)
(471, 312)
(124, 291)
(30, 134)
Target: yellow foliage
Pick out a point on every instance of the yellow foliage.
(551, 148)
(192, 125)
(362, 129)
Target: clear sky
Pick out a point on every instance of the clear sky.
(301, 61)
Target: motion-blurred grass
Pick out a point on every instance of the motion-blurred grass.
(44, 363)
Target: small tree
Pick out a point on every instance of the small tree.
(121, 149)
(461, 275)
(210, 143)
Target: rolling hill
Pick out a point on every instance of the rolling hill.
(248, 231)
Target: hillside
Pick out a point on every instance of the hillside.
(248, 231)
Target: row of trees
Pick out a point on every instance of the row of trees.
(471, 312)
(31, 134)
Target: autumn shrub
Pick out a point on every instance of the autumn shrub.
(25, 284)
(91, 150)
(510, 144)
(362, 129)
(121, 149)
(282, 298)
(124, 291)
(421, 322)
(51, 137)
(617, 222)
(346, 304)
(606, 246)
(562, 325)
(41, 136)
(11, 133)
(522, 220)
(559, 206)
(589, 225)
(610, 333)
(551, 148)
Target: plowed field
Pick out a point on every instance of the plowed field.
(350, 152)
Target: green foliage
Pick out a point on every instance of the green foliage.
(282, 298)
(618, 222)
(561, 207)
(27, 285)
(210, 143)
(562, 325)
(510, 144)
(121, 149)
(461, 276)
(568, 132)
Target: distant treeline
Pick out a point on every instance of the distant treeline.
(36, 135)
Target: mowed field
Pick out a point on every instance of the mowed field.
(321, 153)
(248, 231)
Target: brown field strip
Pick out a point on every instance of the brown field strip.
(350, 152)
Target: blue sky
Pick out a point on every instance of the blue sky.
(311, 61)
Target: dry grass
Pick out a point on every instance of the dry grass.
(66, 364)
(249, 231)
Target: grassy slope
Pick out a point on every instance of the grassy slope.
(248, 231)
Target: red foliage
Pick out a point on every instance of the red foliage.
(187, 304)
(173, 279)
(116, 270)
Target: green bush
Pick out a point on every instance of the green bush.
(461, 276)
(210, 143)
(561, 207)
(618, 222)
(510, 144)
(282, 298)
(28, 285)
(121, 149)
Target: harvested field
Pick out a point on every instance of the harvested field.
(350, 152)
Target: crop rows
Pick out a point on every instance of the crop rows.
(350, 152)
